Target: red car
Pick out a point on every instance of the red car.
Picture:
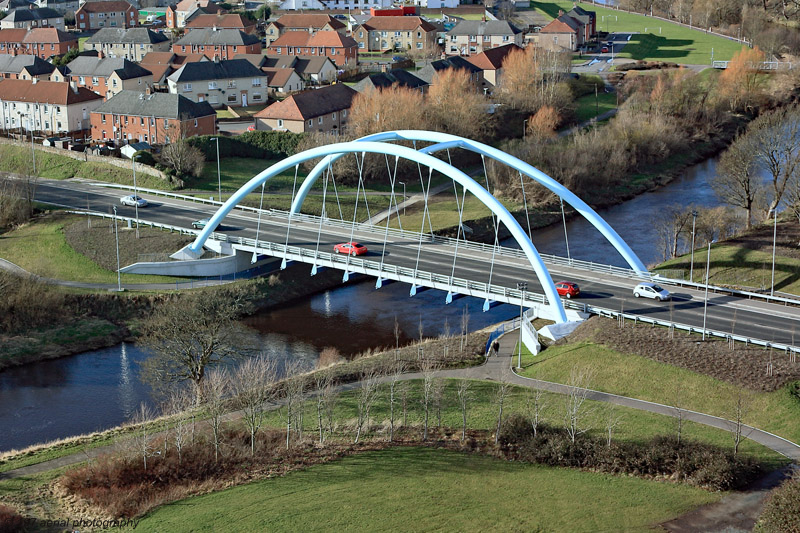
(567, 289)
(352, 248)
(604, 50)
(251, 127)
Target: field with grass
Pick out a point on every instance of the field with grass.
(444, 212)
(590, 106)
(646, 379)
(441, 490)
(654, 39)
(41, 247)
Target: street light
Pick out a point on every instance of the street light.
(135, 194)
(774, 242)
(219, 176)
(116, 238)
(705, 302)
(691, 265)
(404, 196)
(521, 286)
(30, 127)
(524, 127)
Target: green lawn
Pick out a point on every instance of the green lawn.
(419, 489)
(639, 377)
(444, 213)
(740, 267)
(589, 106)
(656, 39)
(42, 249)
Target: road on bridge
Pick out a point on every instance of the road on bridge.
(761, 320)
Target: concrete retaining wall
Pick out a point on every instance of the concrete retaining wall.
(200, 268)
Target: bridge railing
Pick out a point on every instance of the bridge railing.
(185, 197)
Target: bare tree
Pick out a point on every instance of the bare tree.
(142, 437)
(293, 397)
(464, 327)
(322, 380)
(252, 384)
(613, 419)
(671, 223)
(428, 374)
(574, 413)
(501, 392)
(404, 401)
(737, 181)
(437, 396)
(180, 401)
(367, 395)
(330, 396)
(464, 396)
(741, 407)
(216, 388)
(395, 375)
(535, 407)
(181, 156)
(16, 198)
(396, 337)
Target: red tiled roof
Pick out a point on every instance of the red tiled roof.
(189, 5)
(398, 24)
(157, 58)
(46, 92)
(292, 38)
(105, 7)
(492, 59)
(278, 77)
(311, 104)
(556, 26)
(220, 21)
(330, 39)
(13, 35)
(48, 35)
(308, 21)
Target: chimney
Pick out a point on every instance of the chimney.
(560, 12)
(215, 28)
(34, 80)
(100, 54)
(74, 87)
(216, 58)
(148, 89)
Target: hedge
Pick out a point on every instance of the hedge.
(255, 144)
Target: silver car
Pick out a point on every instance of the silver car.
(133, 201)
(651, 290)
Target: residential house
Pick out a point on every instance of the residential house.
(24, 67)
(296, 5)
(312, 69)
(108, 76)
(106, 14)
(317, 110)
(222, 22)
(62, 6)
(48, 42)
(7, 6)
(232, 82)
(49, 107)
(491, 62)
(379, 34)
(33, 18)
(216, 43)
(588, 20)
(429, 72)
(470, 37)
(561, 34)
(399, 77)
(310, 23)
(155, 118)
(282, 81)
(340, 48)
(132, 44)
(179, 15)
(162, 64)
(11, 41)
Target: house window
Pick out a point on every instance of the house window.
(166, 123)
(195, 123)
(187, 87)
(311, 123)
(419, 35)
(344, 113)
(361, 45)
(103, 117)
(256, 97)
(141, 121)
(231, 98)
(320, 120)
(280, 122)
(126, 120)
(231, 84)
(183, 48)
(383, 34)
(333, 116)
(114, 82)
(361, 35)
(213, 99)
(397, 34)
(81, 80)
(505, 38)
(152, 121)
(256, 82)
(212, 85)
(487, 38)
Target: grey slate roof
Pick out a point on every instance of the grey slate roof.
(303, 65)
(27, 15)
(480, 27)
(132, 35)
(582, 15)
(569, 21)
(218, 37)
(213, 70)
(15, 64)
(92, 66)
(428, 71)
(386, 79)
(158, 105)
(10, 5)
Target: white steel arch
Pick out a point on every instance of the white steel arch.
(407, 153)
(446, 140)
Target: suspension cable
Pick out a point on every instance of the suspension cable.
(460, 226)
(393, 197)
(258, 224)
(355, 208)
(494, 250)
(294, 187)
(525, 202)
(392, 180)
(422, 229)
(333, 180)
(322, 215)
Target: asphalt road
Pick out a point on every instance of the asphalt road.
(769, 322)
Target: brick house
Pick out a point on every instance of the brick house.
(310, 23)
(108, 76)
(132, 44)
(106, 14)
(179, 15)
(379, 34)
(162, 64)
(470, 37)
(562, 34)
(11, 41)
(222, 22)
(233, 82)
(49, 107)
(588, 20)
(33, 18)
(491, 62)
(341, 49)
(216, 43)
(317, 110)
(24, 67)
(48, 42)
(429, 72)
(155, 118)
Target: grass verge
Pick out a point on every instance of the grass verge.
(589, 106)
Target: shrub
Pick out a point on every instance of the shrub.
(144, 157)
(10, 520)
(782, 511)
(794, 390)
(255, 144)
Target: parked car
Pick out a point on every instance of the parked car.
(352, 248)
(200, 224)
(651, 290)
(568, 289)
(604, 50)
(251, 127)
(133, 201)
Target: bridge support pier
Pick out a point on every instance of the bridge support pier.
(380, 282)
(417, 288)
(488, 304)
(317, 269)
(453, 296)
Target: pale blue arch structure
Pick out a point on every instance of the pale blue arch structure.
(364, 146)
(445, 141)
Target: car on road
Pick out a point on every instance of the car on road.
(604, 50)
(251, 127)
(200, 224)
(651, 290)
(568, 289)
(352, 248)
(133, 201)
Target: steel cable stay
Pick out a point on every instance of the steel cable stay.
(566, 237)
(425, 194)
(422, 228)
(525, 203)
(355, 213)
(487, 304)
(258, 224)
(392, 180)
(321, 218)
(393, 196)
(335, 191)
(458, 233)
(289, 221)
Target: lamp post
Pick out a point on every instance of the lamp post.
(116, 238)
(30, 128)
(135, 194)
(705, 301)
(691, 265)
(404, 196)
(774, 242)
(219, 176)
(524, 127)
(521, 286)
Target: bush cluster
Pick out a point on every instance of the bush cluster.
(782, 512)
(662, 456)
(794, 390)
(10, 520)
(255, 144)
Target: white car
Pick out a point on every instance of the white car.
(651, 290)
(133, 201)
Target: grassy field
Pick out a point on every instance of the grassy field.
(639, 377)
(41, 248)
(444, 213)
(655, 40)
(441, 490)
(17, 159)
(588, 107)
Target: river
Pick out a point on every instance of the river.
(100, 389)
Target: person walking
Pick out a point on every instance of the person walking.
(496, 347)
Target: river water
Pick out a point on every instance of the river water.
(100, 389)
